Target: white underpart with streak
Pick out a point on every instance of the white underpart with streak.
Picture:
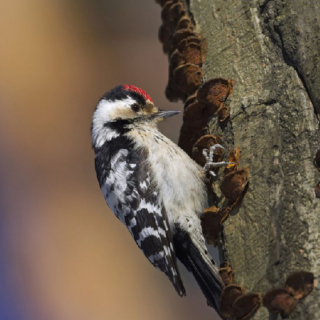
(171, 170)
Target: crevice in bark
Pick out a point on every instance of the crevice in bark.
(263, 6)
(289, 62)
(272, 30)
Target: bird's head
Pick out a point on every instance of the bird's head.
(124, 106)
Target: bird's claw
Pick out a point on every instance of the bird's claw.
(208, 154)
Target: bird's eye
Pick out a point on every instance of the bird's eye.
(135, 108)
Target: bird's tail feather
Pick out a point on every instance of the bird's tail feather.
(196, 259)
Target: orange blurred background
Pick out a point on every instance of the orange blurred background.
(63, 254)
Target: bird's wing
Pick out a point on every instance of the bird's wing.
(133, 196)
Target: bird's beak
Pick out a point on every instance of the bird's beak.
(164, 114)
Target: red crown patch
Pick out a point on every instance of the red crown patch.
(137, 90)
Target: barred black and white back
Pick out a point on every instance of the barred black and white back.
(153, 187)
(124, 177)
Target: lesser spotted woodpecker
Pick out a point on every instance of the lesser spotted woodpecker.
(153, 187)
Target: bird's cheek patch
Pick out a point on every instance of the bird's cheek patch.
(123, 113)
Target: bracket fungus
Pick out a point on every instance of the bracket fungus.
(187, 78)
(180, 35)
(190, 100)
(228, 297)
(279, 301)
(191, 53)
(164, 35)
(226, 273)
(215, 93)
(299, 284)
(246, 305)
(234, 185)
(200, 107)
(235, 303)
(205, 142)
(172, 11)
(184, 47)
(184, 23)
(234, 159)
(211, 222)
(194, 39)
(194, 125)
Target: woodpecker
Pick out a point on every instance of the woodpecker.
(154, 187)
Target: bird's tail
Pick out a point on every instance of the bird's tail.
(193, 254)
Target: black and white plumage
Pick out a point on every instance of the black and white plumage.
(153, 187)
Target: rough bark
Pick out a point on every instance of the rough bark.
(271, 50)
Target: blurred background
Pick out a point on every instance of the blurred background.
(63, 254)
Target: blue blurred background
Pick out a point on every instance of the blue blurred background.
(63, 255)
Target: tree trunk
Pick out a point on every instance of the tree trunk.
(270, 49)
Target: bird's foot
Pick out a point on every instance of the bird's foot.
(208, 154)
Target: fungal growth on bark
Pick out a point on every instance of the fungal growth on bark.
(212, 221)
(209, 101)
(226, 273)
(279, 301)
(234, 184)
(238, 305)
(228, 297)
(298, 286)
(185, 49)
(205, 142)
